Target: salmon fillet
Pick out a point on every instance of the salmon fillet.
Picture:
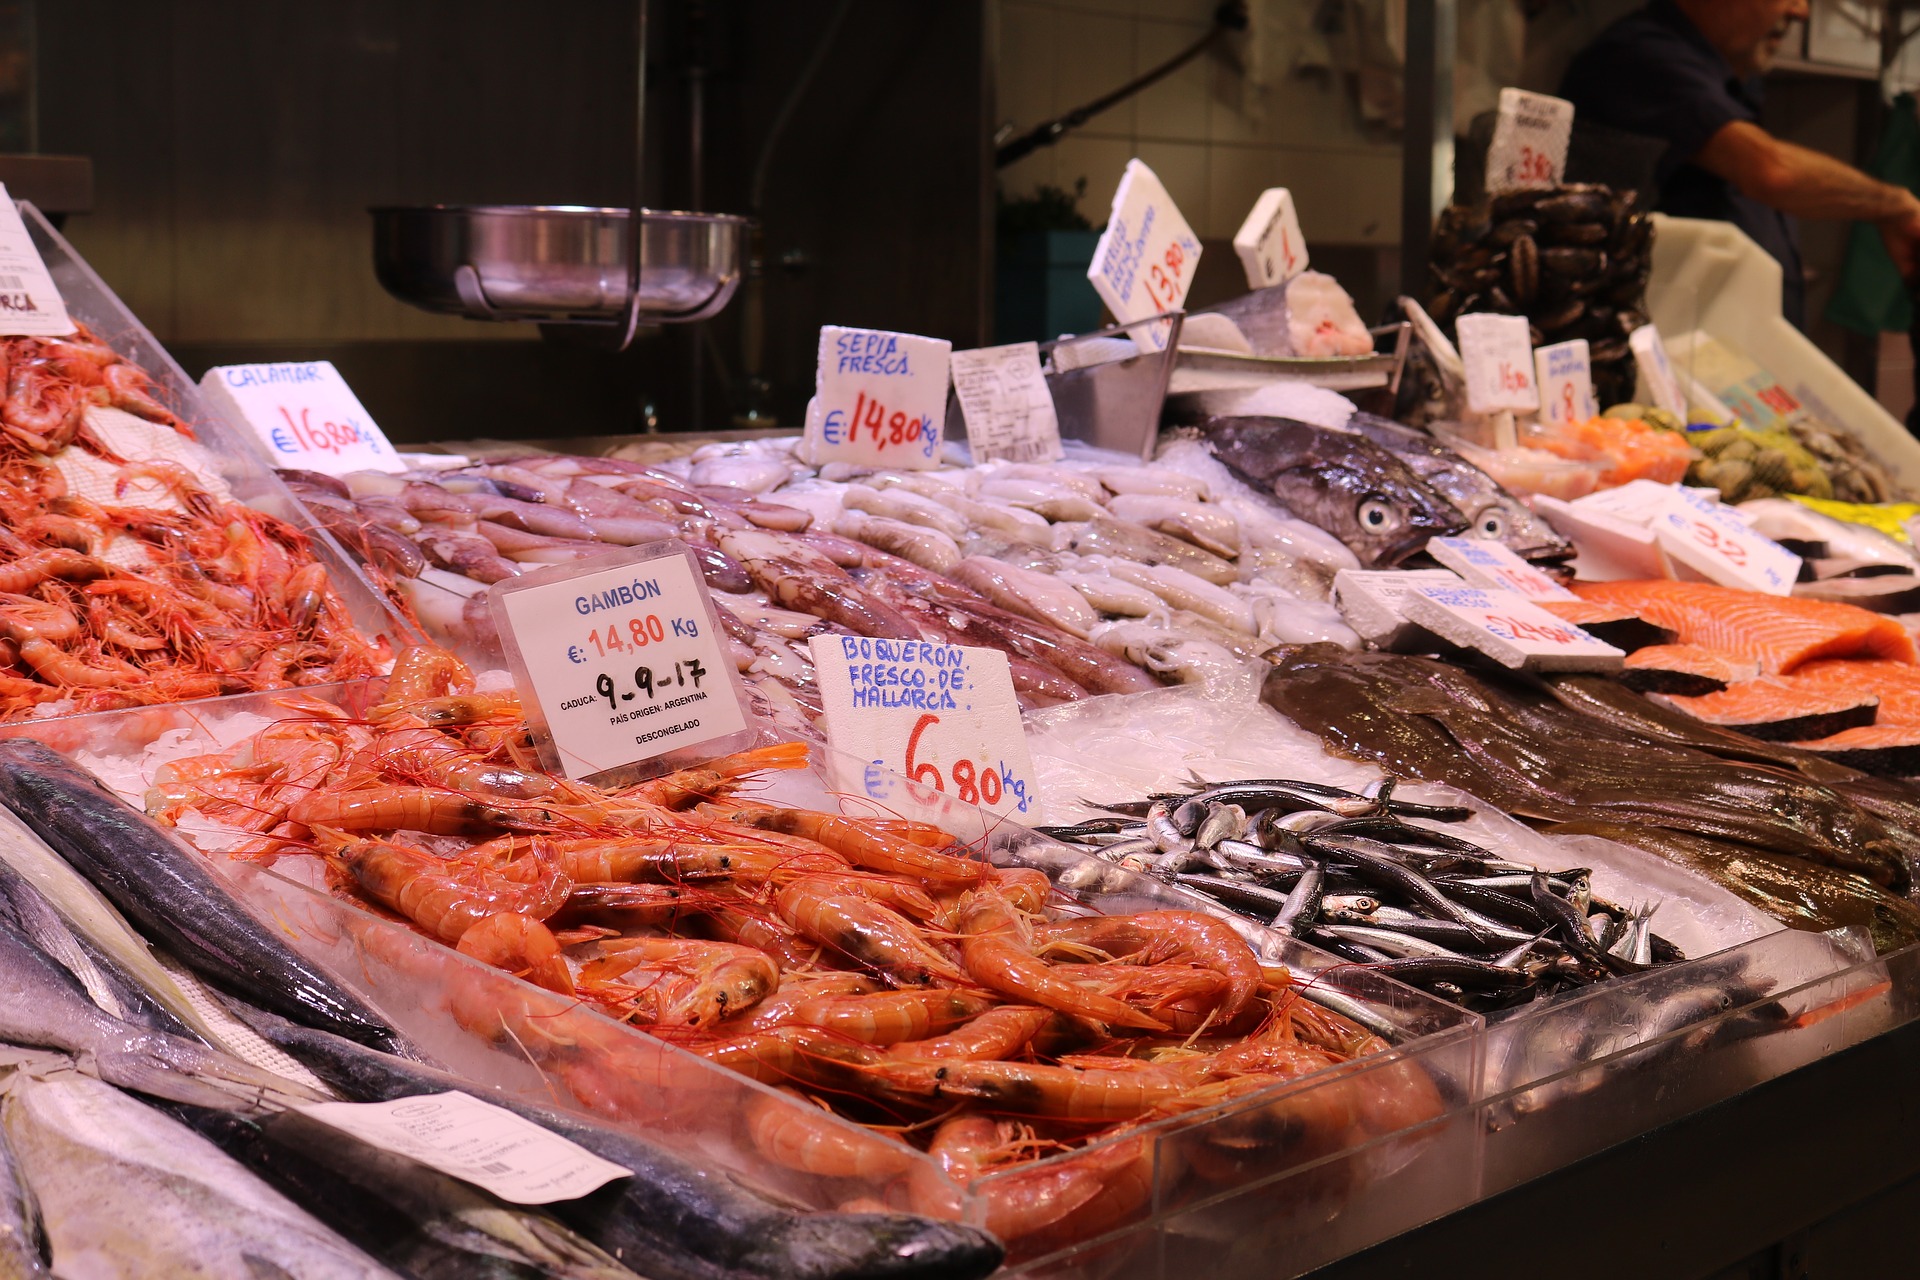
(1896, 684)
(1687, 669)
(1779, 632)
(1780, 709)
(1891, 750)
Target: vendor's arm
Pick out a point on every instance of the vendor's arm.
(1807, 184)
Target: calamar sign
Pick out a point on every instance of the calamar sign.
(304, 414)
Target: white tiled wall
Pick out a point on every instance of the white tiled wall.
(1215, 158)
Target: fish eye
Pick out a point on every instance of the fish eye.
(1493, 524)
(1376, 514)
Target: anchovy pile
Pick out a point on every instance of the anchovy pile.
(1352, 873)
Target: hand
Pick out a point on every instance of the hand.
(1901, 232)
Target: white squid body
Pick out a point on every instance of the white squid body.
(1187, 591)
(1035, 595)
(1054, 501)
(927, 547)
(905, 506)
(1206, 527)
(1170, 656)
(1109, 594)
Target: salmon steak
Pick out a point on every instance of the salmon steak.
(1781, 633)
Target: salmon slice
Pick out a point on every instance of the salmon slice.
(1890, 750)
(1780, 710)
(1779, 632)
(1687, 669)
(1617, 625)
(1896, 684)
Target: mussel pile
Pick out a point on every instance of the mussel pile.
(1572, 259)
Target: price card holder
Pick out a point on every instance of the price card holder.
(1710, 541)
(1498, 353)
(1564, 372)
(1656, 369)
(943, 717)
(1510, 629)
(305, 414)
(1146, 257)
(1269, 244)
(1483, 563)
(1530, 137)
(1006, 405)
(879, 399)
(30, 304)
(620, 663)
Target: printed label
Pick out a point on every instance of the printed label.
(880, 398)
(621, 655)
(476, 1142)
(1565, 375)
(305, 414)
(1269, 244)
(1144, 263)
(1498, 353)
(1530, 138)
(1004, 399)
(29, 302)
(941, 716)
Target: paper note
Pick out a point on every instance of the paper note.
(1498, 353)
(1008, 409)
(1564, 372)
(29, 302)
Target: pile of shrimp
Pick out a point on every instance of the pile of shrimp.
(207, 599)
(869, 968)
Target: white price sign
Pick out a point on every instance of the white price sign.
(1008, 409)
(620, 655)
(1144, 263)
(1482, 563)
(1498, 353)
(1269, 244)
(29, 302)
(943, 716)
(1712, 541)
(879, 398)
(477, 1142)
(305, 414)
(1564, 372)
(1530, 137)
(1650, 355)
(1510, 629)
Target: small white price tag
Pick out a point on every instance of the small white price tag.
(1008, 409)
(1650, 355)
(1146, 257)
(1498, 353)
(476, 1142)
(940, 715)
(1510, 629)
(29, 302)
(1530, 137)
(1564, 372)
(621, 656)
(1269, 244)
(1612, 546)
(1482, 563)
(879, 399)
(1713, 542)
(1374, 603)
(305, 414)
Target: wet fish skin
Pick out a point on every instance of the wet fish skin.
(673, 1219)
(22, 1244)
(127, 1192)
(174, 898)
(1340, 481)
(1490, 511)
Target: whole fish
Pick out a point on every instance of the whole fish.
(1341, 481)
(22, 1245)
(127, 1192)
(673, 1218)
(169, 892)
(1490, 511)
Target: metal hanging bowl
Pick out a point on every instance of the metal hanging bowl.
(566, 264)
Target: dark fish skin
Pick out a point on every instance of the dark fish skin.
(673, 1219)
(168, 892)
(1490, 511)
(1338, 480)
(1505, 741)
(23, 1252)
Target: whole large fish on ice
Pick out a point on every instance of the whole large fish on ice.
(1338, 480)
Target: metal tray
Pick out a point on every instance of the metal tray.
(1209, 382)
(556, 263)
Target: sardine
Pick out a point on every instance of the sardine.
(1340, 481)
(127, 1192)
(170, 893)
(673, 1218)
(1490, 511)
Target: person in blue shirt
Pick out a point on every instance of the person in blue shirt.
(1688, 72)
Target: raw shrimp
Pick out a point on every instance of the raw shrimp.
(446, 899)
(1030, 1088)
(884, 1018)
(429, 809)
(812, 1139)
(522, 946)
(719, 777)
(998, 955)
(1184, 937)
(865, 932)
(685, 983)
(1000, 1032)
(855, 841)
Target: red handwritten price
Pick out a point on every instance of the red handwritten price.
(973, 783)
(1512, 379)
(886, 427)
(1530, 166)
(1718, 543)
(328, 437)
(1163, 281)
(1776, 398)
(1520, 629)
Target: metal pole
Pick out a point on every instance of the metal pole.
(1426, 157)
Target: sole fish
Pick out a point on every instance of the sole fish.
(171, 894)
(127, 1192)
(1778, 632)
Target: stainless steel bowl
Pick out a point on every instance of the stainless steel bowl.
(555, 263)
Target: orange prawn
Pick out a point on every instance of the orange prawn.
(718, 777)
(689, 983)
(797, 1133)
(444, 898)
(429, 809)
(884, 1018)
(1000, 1032)
(996, 950)
(1029, 1088)
(1169, 937)
(853, 840)
(864, 931)
(522, 946)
